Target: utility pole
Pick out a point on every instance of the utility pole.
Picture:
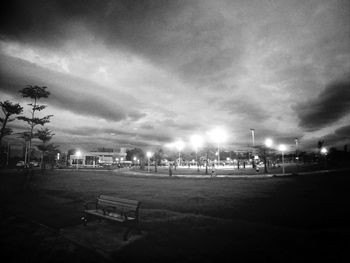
(296, 149)
(253, 148)
(253, 130)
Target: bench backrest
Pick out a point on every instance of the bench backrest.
(119, 203)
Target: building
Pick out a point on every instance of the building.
(97, 158)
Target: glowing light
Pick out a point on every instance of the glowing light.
(149, 154)
(196, 141)
(78, 153)
(268, 142)
(218, 135)
(282, 148)
(324, 150)
(179, 145)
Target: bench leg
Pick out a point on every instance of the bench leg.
(138, 228)
(126, 233)
(84, 219)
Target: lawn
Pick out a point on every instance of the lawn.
(289, 219)
(228, 170)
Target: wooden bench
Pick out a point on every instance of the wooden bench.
(123, 211)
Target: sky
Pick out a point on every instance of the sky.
(147, 73)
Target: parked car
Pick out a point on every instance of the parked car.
(34, 163)
(20, 164)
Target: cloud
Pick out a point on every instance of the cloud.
(245, 108)
(343, 131)
(190, 37)
(329, 106)
(68, 92)
(115, 135)
(338, 138)
(186, 65)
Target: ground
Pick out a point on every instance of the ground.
(274, 219)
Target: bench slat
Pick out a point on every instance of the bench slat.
(118, 200)
(117, 205)
(115, 217)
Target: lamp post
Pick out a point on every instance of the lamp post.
(324, 151)
(149, 154)
(268, 144)
(253, 145)
(253, 139)
(296, 149)
(78, 154)
(218, 136)
(282, 149)
(179, 146)
(135, 161)
(197, 141)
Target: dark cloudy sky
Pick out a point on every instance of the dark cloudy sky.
(145, 73)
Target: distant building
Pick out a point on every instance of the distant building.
(102, 156)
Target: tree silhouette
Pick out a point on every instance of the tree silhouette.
(9, 109)
(158, 156)
(35, 93)
(45, 135)
(320, 145)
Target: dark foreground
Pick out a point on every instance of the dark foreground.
(294, 219)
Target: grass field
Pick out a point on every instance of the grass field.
(229, 170)
(289, 219)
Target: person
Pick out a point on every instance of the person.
(213, 170)
(170, 170)
(257, 168)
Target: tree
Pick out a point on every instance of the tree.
(9, 109)
(158, 156)
(26, 137)
(263, 151)
(45, 135)
(320, 145)
(35, 93)
(138, 153)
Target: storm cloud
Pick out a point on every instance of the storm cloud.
(177, 67)
(329, 106)
(86, 98)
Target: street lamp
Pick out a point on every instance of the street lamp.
(253, 138)
(296, 149)
(253, 146)
(324, 151)
(149, 154)
(197, 141)
(218, 136)
(179, 146)
(282, 148)
(78, 154)
(268, 144)
(135, 161)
